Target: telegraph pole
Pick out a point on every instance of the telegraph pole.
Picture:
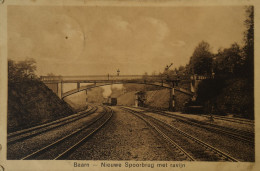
(167, 67)
(171, 90)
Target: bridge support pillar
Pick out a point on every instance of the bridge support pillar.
(171, 99)
(78, 85)
(86, 95)
(61, 90)
(57, 86)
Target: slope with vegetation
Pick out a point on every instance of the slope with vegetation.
(31, 102)
(231, 88)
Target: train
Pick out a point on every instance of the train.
(110, 101)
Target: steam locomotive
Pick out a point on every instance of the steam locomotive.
(110, 101)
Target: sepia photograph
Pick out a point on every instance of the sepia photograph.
(129, 86)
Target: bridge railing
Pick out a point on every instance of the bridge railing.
(99, 77)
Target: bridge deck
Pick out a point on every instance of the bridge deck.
(97, 77)
(102, 80)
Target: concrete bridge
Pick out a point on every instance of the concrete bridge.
(55, 83)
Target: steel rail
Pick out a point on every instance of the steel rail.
(12, 134)
(60, 156)
(42, 150)
(206, 145)
(175, 145)
(236, 120)
(234, 133)
(45, 128)
(198, 141)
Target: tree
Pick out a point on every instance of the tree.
(249, 56)
(249, 43)
(54, 77)
(21, 70)
(201, 59)
(27, 67)
(229, 61)
(181, 68)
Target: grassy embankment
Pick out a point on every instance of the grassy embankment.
(32, 103)
(155, 99)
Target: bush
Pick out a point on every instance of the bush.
(221, 96)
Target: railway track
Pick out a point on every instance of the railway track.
(31, 132)
(62, 147)
(236, 134)
(188, 147)
(236, 120)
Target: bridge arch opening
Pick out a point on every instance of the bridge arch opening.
(169, 96)
(66, 94)
(99, 81)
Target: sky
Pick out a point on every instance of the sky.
(97, 40)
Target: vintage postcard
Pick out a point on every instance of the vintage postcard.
(129, 85)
